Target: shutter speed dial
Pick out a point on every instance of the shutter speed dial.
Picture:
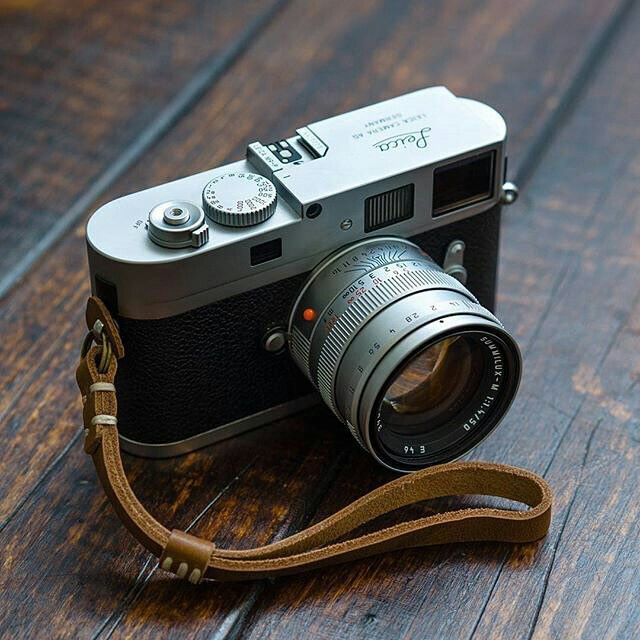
(239, 199)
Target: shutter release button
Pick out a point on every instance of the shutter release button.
(176, 225)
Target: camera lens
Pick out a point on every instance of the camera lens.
(403, 353)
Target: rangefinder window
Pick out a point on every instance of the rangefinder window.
(463, 182)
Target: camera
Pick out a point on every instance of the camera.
(353, 263)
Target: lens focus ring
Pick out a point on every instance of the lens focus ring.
(350, 317)
(423, 307)
(346, 291)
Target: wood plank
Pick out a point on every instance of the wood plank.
(310, 90)
(573, 248)
(85, 89)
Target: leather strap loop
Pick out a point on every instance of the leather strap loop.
(186, 556)
(326, 542)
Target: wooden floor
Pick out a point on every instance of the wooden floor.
(98, 99)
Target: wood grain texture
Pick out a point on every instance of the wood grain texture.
(85, 87)
(260, 487)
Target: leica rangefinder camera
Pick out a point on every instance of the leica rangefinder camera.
(353, 263)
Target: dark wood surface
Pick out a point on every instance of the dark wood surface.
(566, 77)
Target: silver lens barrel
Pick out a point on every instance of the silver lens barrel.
(367, 309)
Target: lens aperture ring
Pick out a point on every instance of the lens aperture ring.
(389, 329)
(349, 314)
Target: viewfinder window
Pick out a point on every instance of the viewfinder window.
(463, 182)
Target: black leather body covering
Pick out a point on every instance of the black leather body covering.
(189, 373)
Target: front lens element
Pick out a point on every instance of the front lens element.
(442, 400)
(433, 385)
(402, 353)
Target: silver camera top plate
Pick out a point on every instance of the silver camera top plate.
(324, 176)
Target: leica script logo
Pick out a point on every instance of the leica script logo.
(405, 140)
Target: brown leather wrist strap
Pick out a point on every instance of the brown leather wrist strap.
(193, 558)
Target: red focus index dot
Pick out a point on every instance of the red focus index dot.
(309, 314)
